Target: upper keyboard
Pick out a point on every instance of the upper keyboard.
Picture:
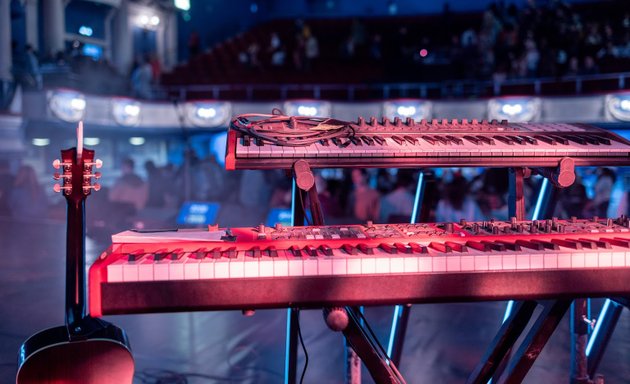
(408, 143)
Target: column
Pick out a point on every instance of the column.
(32, 28)
(170, 41)
(5, 42)
(122, 42)
(54, 26)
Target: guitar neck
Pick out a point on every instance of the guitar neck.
(75, 263)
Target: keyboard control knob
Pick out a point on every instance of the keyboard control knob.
(336, 318)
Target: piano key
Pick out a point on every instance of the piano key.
(455, 140)
(365, 249)
(504, 139)
(162, 253)
(530, 245)
(494, 245)
(199, 253)
(388, 248)
(616, 241)
(379, 140)
(295, 251)
(567, 243)
(587, 244)
(271, 251)
(599, 243)
(509, 245)
(440, 247)
(478, 246)
(600, 139)
(529, 139)
(326, 250)
(349, 249)
(230, 253)
(403, 248)
(215, 253)
(410, 139)
(546, 139)
(135, 255)
(486, 139)
(472, 139)
(457, 246)
(310, 250)
(253, 252)
(418, 248)
(398, 139)
(546, 244)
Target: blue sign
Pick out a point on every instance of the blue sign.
(282, 216)
(198, 213)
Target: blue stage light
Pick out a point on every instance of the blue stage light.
(517, 109)
(416, 109)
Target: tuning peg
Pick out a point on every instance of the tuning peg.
(58, 176)
(96, 187)
(58, 188)
(98, 163)
(96, 175)
(56, 163)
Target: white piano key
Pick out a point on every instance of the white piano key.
(114, 271)
(564, 260)
(383, 265)
(605, 259)
(160, 270)
(577, 260)
(522, 261)
(368, 265)
(425, 264)
(550, 260)
(453, 263)
(353, 265)
(439, 264)
(618, 258)
(495, 262)
(221, 268)
(482, 262)
(467, 262)
(191, 268)
(280, 266)
(324, 266)
(591, 259)
(130, 271)
(265, 267)
(536, 260)
(251, 267)
(206, 268)
(396, 264)
(145, 269)
(237, 266)
(311, 266)
(509, 262)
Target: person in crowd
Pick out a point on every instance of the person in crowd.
(27, 198)
(366, 200)
(457, 203)
(571, 201)
(141, 78)
(129, 188)
(6, 184)
(606, 179)
(397, 205)
(32, 68)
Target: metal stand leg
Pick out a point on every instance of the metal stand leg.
(535, 340)
(511, 329)
(579, 339)
(290, 362)
(401, 312)
(606, 322)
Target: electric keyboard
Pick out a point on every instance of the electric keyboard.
(370, 264)
(408, 143)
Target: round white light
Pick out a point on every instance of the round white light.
(512, 109)
(304, 110)
(67, 105)
(126, 111)
(91, 141)
(136, 140)
(406, 111)
(155, 21)
(625, 105)
(206, 112)
(40, 141)
(143, 19)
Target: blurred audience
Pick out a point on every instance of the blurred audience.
(365, 200)
(26, 197)
(129, 188)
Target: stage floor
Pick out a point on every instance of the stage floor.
(444, 341)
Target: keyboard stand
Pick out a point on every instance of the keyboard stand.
(357, 332)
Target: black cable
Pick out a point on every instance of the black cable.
(308, 222)
(299, 332)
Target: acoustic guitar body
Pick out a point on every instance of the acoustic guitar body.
(51, 357)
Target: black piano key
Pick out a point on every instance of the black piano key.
(215, 253)
(455, 140)
(365, 249)
(310, 250)
(601, 140)
(356, 141)
(504, 139)
(259, 142)
(441, 139)
(428, 139)
(410, 139)
(546, 244)
(163, 253)
(529, 139)
(246, 140)
(587, 244)
(494, 246)
(351, 250)
(440, 247)
(545, 139)
(478, 246)
(567, 243)
(486, 139)
(367, 140)
(398, 140)
(403, 248)
(135, 255)
(295, 251)
(576, 139)
(457, 246)
(230, 253)
(388, 248)
(530, 245)
(589, 139)
(472, 139)
(616, 241)
(379, 140)
(336, 141)
(599, 243)
(509, 245)
(560, 139)
(199, 253)
(324, 142)
(326, 250)
(397, 121)
(418, 248)
(517, 139)
(254, 252)
(271, 251)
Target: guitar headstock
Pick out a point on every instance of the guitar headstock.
(77, 171)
